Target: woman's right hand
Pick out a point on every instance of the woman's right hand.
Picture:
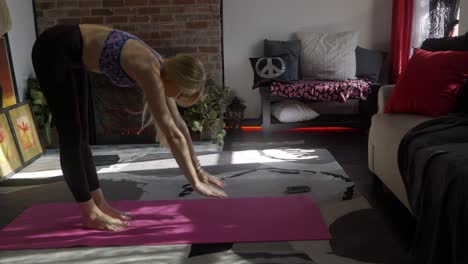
(208, 190)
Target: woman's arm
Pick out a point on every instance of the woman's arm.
(148, 78)
(180, 123)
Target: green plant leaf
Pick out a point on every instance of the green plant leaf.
(196, 126)
(37, 95)
(208, 109)
(48, 135)
(36, 108)
(40, 119)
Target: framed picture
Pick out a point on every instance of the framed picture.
(8, 93)
(25, 132)
(10, 160)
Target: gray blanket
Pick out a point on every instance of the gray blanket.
(433, 160)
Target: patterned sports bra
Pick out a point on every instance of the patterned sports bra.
(109, 62)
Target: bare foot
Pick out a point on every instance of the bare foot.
(101, 203)
(108, 210)
(101, 221)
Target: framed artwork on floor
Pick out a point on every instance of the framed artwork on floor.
(25, 132)
(8, 94)
(10, 160)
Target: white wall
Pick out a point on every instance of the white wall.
(463, 28)
(22, 37)
(248, 22)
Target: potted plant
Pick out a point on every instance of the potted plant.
(206, 118)
(41, 112)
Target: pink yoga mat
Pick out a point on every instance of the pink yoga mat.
(172, 222)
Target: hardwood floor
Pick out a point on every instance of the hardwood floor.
(350, 149)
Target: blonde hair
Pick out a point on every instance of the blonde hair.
(187, 74)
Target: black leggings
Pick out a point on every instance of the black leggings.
(57, 61)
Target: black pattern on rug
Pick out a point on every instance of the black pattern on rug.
(348, 193)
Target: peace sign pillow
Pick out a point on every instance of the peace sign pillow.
(269, 69)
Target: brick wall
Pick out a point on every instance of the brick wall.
(169, 26)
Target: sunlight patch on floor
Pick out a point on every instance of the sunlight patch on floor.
(38, 174)
(237, 157)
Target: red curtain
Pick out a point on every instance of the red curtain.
(402, 21)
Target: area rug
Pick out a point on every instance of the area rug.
(105, 160)
(359, 235)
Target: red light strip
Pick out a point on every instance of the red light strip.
(251, 128)
(322, 129)
(301, 129)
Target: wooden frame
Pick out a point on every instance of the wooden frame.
(9, 93)
(10, 158)
(23, 124)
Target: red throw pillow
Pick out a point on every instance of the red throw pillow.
(429, 85)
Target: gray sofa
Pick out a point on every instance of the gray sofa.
(385, 134)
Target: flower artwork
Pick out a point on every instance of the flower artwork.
(26, 133)
(10, 160)
(5, 153)
(25, 136)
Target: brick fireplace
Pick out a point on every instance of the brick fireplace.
(169, 26)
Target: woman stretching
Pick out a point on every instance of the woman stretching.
(61, 56)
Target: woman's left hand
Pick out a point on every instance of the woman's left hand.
(207, 178)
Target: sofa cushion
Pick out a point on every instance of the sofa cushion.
(385, 135)
(459, 43)
(292, 111)
(369, 63)
(269, 69)
(328, 56)
(430, 83)
(320, 90)
(293, 48)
